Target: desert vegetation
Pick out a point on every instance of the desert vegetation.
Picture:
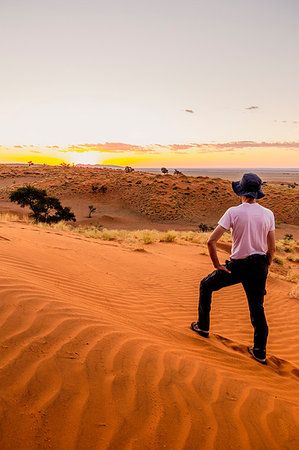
(160, 197)
(44, 208)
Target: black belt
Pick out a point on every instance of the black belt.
(250, 257)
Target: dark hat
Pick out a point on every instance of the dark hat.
(249, 185)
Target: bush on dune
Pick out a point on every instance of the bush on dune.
(170, 236)
(44, 208)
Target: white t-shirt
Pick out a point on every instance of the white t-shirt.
(250, 224)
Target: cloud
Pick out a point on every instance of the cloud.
(251, 108)
(110, 147)
(190, 111)
(179, 146)
(158, 149)
(240, 145)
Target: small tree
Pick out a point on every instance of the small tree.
(92, 209)
(103, 189)
(288, 237)
(30, 163)
(203, 227)
(44, 208)
(164, 170)
(129, 169)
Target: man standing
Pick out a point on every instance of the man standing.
(253, 247)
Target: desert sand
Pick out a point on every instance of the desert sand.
(96, 350)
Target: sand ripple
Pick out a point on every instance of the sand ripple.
(96, 351)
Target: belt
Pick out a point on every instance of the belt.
(250, 257)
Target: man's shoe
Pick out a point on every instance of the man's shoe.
(258, 354)
(194, 326)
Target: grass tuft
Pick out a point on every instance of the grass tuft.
(170, 236)
(9, 217)
(278, 260)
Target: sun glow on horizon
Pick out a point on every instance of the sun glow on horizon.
(230, 154)
(87, 157)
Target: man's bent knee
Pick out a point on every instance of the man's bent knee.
(208, 282)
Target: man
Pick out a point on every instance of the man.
(253, 247)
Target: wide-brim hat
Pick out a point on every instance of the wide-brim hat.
(250, 185)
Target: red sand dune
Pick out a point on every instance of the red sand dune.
(96, 351)
(177, 199)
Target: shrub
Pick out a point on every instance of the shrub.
(103, 189)
(292, 258)
(288, 237)
(289, 249)
(44, 208)
(92, 209)
(170, 236)
(129, 169)
(177, 172)
(278, 260)
(203, 227)
(147, 237)
(164, 170)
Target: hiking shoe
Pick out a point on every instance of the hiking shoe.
(258, 354)
(194, 326)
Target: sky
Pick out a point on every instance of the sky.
(187, 83)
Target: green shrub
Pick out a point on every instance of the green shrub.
(292, 258)
(289, 249)
(278, 260)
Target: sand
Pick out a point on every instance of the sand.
(96, 350)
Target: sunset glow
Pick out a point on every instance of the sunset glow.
(86, 157)
(139, 86)
(230, 154)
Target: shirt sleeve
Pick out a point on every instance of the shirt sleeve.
(226, 220)
(272, 222)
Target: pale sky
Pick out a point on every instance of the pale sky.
(88, 72)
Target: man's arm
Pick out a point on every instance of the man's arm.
(271, 245)
(215, 236)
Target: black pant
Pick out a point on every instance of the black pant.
(252, 273)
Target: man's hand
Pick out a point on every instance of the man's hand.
(222, 267)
